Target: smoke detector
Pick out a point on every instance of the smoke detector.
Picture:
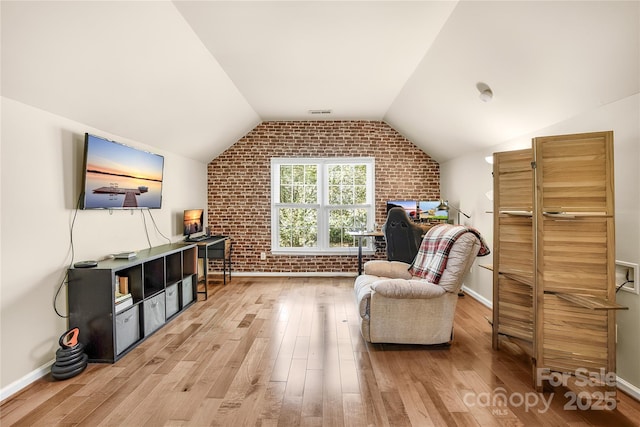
(486, 94)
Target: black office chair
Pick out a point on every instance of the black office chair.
(403, 236)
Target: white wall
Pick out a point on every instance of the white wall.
(466, 179)
(41, 180)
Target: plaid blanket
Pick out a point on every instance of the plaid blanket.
(432, 256)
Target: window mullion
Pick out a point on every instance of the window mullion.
(322, 202)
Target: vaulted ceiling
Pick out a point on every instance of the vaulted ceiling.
(192, 77)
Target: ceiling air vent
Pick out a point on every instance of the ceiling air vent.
(319, 112)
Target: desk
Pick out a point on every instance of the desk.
(211, 248)
(361, 235)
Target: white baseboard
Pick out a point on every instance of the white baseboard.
(628, 388)
(476, 296)
(23, 382)
(288, 274)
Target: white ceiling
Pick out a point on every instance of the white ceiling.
(192, 77)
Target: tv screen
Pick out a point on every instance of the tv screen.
(409, 205)
(117, 176)
(428, 210)
(193, 221)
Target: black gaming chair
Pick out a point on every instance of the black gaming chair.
(403, 236)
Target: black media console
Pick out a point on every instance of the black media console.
(157, 285)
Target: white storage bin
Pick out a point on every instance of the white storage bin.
(187, 290)
(127, 328)
(154, 313)
(172, 302)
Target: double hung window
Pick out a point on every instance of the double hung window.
(315, 202)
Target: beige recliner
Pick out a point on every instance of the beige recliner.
(396, 307)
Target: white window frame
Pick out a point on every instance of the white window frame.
(323, 207)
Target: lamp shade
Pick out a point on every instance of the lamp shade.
(443, 206)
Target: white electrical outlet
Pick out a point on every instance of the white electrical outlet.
(616, 333)
(627, 277)
(263, 255)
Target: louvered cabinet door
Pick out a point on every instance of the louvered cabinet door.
(513, 252)
(575, 254)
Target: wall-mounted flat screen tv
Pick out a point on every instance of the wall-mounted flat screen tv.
(117, 176)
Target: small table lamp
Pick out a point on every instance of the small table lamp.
(444, 206)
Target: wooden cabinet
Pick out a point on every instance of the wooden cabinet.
(161, 282)
(554, 254)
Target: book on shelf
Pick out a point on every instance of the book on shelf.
(120, 298)
(124, 304)
(123, 284)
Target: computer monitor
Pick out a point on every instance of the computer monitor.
(427, 209)
(193, 220)
(410, 206)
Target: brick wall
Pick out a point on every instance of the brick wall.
(239, 193)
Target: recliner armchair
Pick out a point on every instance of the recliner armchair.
(398, 307)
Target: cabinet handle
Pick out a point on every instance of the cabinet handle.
(517, 213)
(574, 215)
(562, 215)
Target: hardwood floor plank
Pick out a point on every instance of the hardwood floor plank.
(92, 400)
(137, 408)
(373, 404)
(353, 410)
(216, 369)
(349, 376)
(162, 400)
(117, 394)
(413, 403)
(21, 405)
(284, 351)
(292, 402)
(315, 358)
(41, 411)
(205, 414)
(301, 347)
(233, 363)
(312, 394)
(269, 408)
(332, 410)
(55, 414)
(394, 407)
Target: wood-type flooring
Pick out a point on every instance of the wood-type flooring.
(287, 351)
